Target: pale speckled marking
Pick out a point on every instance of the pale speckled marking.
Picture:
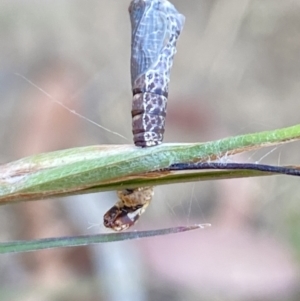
(156, 26)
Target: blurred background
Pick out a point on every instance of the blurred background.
(237, 71)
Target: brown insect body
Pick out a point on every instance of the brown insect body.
(132, 203)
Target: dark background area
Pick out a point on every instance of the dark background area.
(237, 71)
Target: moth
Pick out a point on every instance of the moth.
(155, 28)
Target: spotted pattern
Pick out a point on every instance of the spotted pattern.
(156, 26)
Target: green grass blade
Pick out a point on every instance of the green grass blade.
(83, 240)
(110, 167)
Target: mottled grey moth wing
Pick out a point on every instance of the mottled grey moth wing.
(156, 26)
